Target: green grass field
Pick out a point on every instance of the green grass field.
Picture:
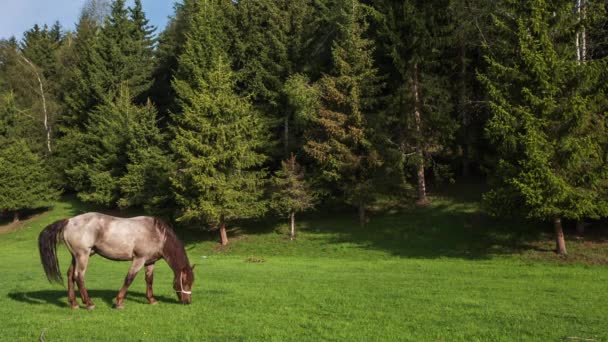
(441, 273)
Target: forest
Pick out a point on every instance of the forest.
(242, 109)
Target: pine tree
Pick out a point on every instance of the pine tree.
(339, 141)
(122, 158)
(124, 54)
(546, 114)
(416, 35)
(24, 178)
(292, 194)
(217, 134)
(146, 181)
(33, 93)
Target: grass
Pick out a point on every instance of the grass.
(441, 273)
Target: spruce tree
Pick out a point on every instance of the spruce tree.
(25, 182)
(218, 135)
(122, 158)
(416, 36)
(546, 114)
(291, 192)
(340, 138)
(124, 54)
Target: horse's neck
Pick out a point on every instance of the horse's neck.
(175, 255)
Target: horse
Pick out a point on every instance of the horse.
(143, 240)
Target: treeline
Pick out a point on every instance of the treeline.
(241, 108)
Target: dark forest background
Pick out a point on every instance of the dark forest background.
(243, 109)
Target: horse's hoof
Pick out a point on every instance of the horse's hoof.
(119, 307)
(91, 307)
(75, 307)
(153, 302)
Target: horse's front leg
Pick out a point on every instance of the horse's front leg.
(149, 281)
(135, 267)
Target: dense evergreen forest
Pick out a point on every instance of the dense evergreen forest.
(243, 109)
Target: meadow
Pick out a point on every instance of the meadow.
(446, 272)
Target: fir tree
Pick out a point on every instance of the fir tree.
(122, 160)
(416, 35)
(291, 193)
(218, 134)
(124, 52)
(339, 140)
(25, 182)
(546, 114)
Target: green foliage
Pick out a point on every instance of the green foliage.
(547, 115)
(417, 38)
(218, 134)
(24, 179)
(291, 192)
(340, 138)
(122, 160)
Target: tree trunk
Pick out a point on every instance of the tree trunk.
(581, 36)
(559, 237)
(292, 225)
(463, 112)
(286, 138)
(362, 214)
(47, 127)
(223, 235)
(16, 217)
(422, 199)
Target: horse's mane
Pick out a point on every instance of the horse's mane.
(173, 249)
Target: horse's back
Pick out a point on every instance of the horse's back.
(113, 237)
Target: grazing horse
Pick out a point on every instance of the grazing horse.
(142, 240)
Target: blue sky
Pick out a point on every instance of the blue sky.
(17, 16)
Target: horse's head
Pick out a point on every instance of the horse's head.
(183, 284)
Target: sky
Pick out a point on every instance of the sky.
(17, 16)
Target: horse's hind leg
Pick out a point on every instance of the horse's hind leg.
(135, 267)
(82, 260)
(71, 294)
(149, 281)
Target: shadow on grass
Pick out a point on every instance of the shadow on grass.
(452, 226)
(59, 297)
(440, 230)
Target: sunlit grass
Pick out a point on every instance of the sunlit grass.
(444, 273)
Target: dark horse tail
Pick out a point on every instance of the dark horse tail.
(47, 245)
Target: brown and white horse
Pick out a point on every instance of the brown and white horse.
(142, 240)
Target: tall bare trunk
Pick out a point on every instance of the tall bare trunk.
(223, 235)
(16, 217)
(286, 138)
(292, 225)
(45, 113)
(584, 32)
(581, 36)
(362, 217)
(463, 112)
(422, 199)
(559, 237)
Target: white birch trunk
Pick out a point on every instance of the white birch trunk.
(47, 127)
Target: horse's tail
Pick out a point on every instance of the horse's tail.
(47, 245)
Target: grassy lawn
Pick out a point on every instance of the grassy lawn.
(441, 273)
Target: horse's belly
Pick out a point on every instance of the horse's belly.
(115, 250)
